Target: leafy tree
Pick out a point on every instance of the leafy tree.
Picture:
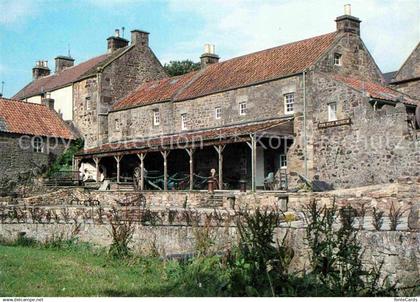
(175, 68)
(64, 162)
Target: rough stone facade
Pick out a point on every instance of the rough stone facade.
(407, 79)
(16, 161)
(94, 96)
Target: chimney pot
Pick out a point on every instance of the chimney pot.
(116, 42)
(347, 9)
(117, 33)
(40, 70)
(63, 62)
(209, 56)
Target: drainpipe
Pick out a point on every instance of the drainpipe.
(305, 142)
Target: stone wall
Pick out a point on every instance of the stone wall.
(15, 160)
(412, 88)
(264, 101)
(378, 146)
(171, 221)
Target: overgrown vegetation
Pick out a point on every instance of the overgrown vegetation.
(257, 265)
(64, 161)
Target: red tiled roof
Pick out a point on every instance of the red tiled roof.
(57, 80)
(32, 119)
(253, 68)
(376, 90)
(220, 133)
(155, 91)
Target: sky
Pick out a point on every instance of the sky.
(32, 30)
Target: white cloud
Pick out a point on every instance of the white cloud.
(389, 28)
(16, 11)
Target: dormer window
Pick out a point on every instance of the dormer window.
(332, 111)
(337, 59)
(156, 118)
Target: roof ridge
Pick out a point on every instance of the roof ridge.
(21, 101)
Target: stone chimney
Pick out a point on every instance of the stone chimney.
(139, 37)
(63, 62)
(115, 42)
(347, 23)
(40, 70)
(209, 56)
(48, 101)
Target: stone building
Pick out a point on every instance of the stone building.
(83, 92)
(407, 78)
(31, 136)
(312, 109)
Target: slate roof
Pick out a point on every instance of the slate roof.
(238, 72)
(32, 119)
(376, 90)
(388, 76)
(233, 132)
(68, 75)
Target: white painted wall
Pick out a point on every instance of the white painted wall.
(63, 101)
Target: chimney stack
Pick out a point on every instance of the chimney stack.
(116, 42)
(40, 70)
(347, 23)
(63, 62)
(139, 37)
(209, 56)
(48, 101)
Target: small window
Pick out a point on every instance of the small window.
(218, 113)
(332, 111)
(289, 101)
(337, 59)
(156, 118)
(283, 161)
(38, 145)
(184, 121)
(88, 104)
(242, 108)
(117, 124)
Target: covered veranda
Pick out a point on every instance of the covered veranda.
(251, 156)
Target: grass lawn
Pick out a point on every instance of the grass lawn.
(34, 271)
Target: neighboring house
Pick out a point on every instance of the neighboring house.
(316, 108)
(407, 78)
(31, 137)
(83, 92)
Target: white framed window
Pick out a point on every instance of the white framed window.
(218, 113)
(332, 111)
(156, 118)
(337, 59)
(289, 101)
(283, 161)
(242, 108)
(88, 103)
(38, 145)
(117, 124)
(184, 121)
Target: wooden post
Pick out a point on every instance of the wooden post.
(165, 169)
(76, 169)
(191, 153)
(253, 146)
(97, 160)
(142, 157)
(118, 159)
(219, 150)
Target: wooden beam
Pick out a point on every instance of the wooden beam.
(165, 154)
(142, 156)
(118, 159)
(191, 154)
(97, 160)
(219, 150)
(253, 146)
